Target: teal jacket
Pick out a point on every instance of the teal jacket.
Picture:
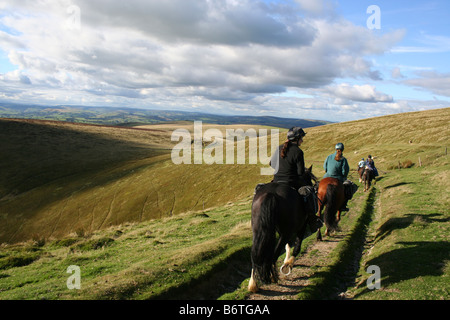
(336, 169)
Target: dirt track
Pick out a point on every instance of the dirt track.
(352, 229)
(304, 267)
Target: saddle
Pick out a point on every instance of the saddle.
(349, 189)
(308, 194)
(259, 186)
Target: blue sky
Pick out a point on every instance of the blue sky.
(314, 59)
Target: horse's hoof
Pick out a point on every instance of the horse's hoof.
(284, 267)
(252, 286)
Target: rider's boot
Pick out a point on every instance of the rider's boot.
(344, 206)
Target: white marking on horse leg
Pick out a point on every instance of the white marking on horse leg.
(288, 253)
(252, 286)
(288, 261)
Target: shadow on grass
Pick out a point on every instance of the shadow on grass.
(73, 159)
(404, 222)
(416, 259)
(34, 154)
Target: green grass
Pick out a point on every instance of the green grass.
(410, 237)
(150, 260)
(99, 215)
(329, 281)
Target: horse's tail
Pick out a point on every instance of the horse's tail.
(331, 208)
(264, 241)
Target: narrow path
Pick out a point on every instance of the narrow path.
(305, 266)
(338, 276)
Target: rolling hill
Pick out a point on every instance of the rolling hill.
(134, 117)
(59, 178)
(112, 201)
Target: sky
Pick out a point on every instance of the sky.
(306, 59)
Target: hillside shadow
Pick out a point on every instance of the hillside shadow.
(223, 278)
(404, 222)
(34, 154)
(416, 259)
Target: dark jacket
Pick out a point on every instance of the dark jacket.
(291, 168)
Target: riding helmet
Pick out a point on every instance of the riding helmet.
(340, 146)
(294, 133)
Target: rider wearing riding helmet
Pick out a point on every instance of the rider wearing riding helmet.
(290, 160)
(371, 164)
(336, 166)
(289, 165)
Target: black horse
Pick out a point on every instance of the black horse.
(277, 208)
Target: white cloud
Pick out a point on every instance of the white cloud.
(361, 93)
(396, 73)
(191, 54)
(438, 83)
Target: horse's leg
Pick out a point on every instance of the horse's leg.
(319, 234)
(252, 285)
(299, 240)
(277, 251)
(288, 261)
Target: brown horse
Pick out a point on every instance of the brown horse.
(360, 173)
(331, 196)
(367, 178)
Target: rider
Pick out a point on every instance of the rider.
(361, 163)
(289, 163)
(371, 164)
(336, 166)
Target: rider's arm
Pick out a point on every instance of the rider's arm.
(345, 169)
(325, 164)
(300, 164)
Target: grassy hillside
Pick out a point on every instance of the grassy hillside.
(61, 178)
(98, 217)
(390, 139)
(409, 237)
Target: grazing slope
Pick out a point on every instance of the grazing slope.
(91, 211)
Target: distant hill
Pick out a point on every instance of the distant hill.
(135, 117)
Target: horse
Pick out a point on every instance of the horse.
(367, 178)
(277, 208)
(360, 173)
(331, 196)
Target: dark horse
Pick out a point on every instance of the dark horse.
(331, 196)
(276, 208)
(367, 177)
